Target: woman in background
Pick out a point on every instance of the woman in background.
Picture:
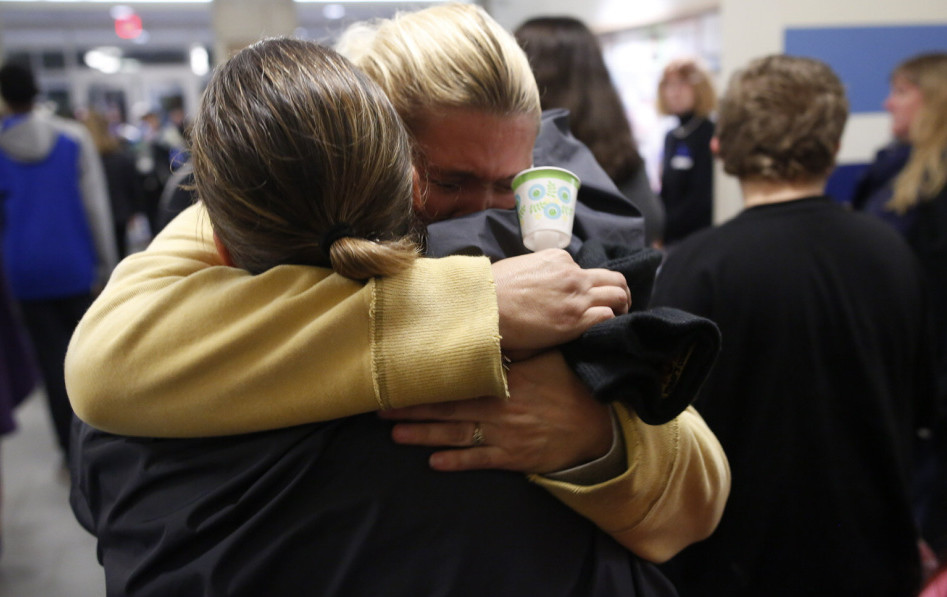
(571, 73)
(918, 209)
(687, 174)
(126, 193)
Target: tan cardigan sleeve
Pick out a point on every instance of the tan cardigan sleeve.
(672, 494)
(178, 345)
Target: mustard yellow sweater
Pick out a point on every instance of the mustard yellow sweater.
(178, 345)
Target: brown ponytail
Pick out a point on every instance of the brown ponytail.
(360, 259)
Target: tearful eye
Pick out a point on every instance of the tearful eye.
(503, 187)
(451, 187)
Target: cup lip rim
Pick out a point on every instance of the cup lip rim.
(557, 168)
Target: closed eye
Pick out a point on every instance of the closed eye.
(446, 185)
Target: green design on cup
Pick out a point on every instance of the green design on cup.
(552, 211)
(536, 192)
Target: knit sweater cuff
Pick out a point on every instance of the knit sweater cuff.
(440, 319)
(623, 505)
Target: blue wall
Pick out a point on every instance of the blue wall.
(863, 57)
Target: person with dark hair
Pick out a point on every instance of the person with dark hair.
(826, 371)
(687, 173)
(57, 235)
(571, 73)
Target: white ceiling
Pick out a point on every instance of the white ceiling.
(78, 24)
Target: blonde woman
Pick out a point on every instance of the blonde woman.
(916, 105)
(918, 209)
(687, 183)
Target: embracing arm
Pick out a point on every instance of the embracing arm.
(179, 345)
(667, 490)
(671, 495)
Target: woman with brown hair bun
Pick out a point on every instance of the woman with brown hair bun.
(301, 160)
(299, 507)
(290, 171)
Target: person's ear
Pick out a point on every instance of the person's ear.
(223, 251)
(715, 145)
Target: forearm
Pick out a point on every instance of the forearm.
(671, 495)
(178, 345)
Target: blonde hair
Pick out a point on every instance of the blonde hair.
(105, 141)
(301, 159)
(781, 120)
(445, 56)
(925, 174)
(689, 71)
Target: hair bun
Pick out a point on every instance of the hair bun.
(334, 233)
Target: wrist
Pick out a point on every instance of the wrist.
(606, 466)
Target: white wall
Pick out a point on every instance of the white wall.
(601, 15)
(239, 23)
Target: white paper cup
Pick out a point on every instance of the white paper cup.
(545, 204)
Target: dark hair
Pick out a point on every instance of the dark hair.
(571, 73)
(17, 85)
(301, 159)
(781, 120)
